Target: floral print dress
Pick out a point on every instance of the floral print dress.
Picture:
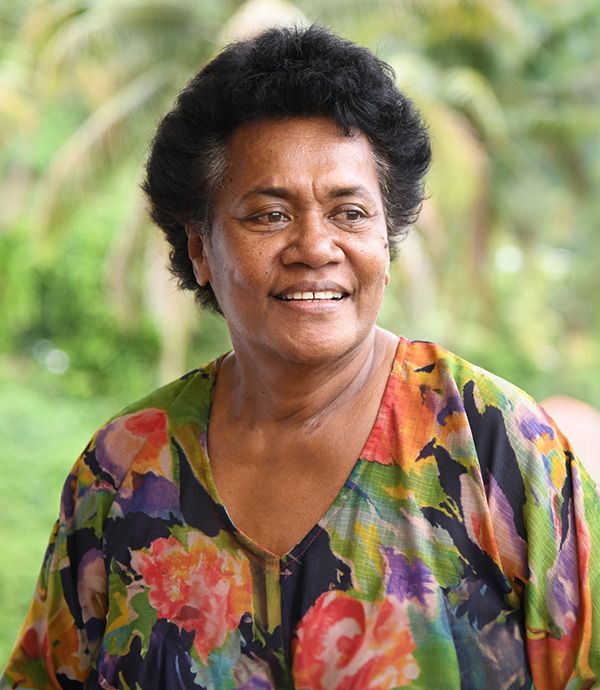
(462, 552)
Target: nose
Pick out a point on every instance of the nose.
(312, 241)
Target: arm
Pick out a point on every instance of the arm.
(546, 515)
(562, 615)
(61, 634)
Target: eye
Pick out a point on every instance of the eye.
(274, 217)
(269, 218)
(353, 214)
(349, 216)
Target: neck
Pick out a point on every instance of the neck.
(262, 390)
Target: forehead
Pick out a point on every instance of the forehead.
(297, 151)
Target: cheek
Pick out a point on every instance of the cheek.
(375, 262)
(374, 250)
(241, 274)
(379, 277)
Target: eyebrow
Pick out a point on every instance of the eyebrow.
(333, 193)
(279, 192)
(356, 190)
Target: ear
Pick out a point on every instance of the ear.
(196, 246)
(386, 275)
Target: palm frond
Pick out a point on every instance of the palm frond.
(41, 22)
(106, 133)
(256, 15)
(469, 90)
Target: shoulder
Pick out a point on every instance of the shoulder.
(431, 367)
(446, 399)
(503, 421)
(139, 434)
(184, 398)
(428, 361)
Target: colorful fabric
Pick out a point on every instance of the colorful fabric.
(462, 552)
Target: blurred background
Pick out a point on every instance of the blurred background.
(502, 267)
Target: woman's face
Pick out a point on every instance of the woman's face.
(297, 254)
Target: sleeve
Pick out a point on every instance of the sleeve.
(63, 628)
(545, 509)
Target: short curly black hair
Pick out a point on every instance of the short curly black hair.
(282, 72)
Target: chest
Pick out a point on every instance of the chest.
(277, 488)
(369, 598)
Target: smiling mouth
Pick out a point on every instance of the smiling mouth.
(311, 296)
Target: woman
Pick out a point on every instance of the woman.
(328, 505)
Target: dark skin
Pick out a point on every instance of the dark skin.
(297, 257)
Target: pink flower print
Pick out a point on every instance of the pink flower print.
(197, 586)
(343, 643)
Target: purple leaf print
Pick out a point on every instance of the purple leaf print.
(407, 580)
(532, 427)
(151, 494)
(453, 404)
(256, 683)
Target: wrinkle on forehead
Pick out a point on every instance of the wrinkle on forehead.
(300, 157)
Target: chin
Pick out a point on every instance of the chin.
(314, 349)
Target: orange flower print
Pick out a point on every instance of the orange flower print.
(197, 586)
(343, 643)
(138, 441)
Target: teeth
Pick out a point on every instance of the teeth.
(325, 294)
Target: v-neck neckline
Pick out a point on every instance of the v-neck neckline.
(301, 546)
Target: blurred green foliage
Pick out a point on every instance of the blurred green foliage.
(502, 266)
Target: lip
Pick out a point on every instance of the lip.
(309, 305)
(312, 305)
(311, 286)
